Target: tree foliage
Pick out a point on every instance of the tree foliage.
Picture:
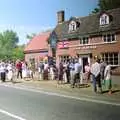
(8, 46)
(96, 10)
(8, 41)
(18, 52)
(30, 36)
(108, 4)
(104, 5)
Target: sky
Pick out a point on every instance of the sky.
(34, 16)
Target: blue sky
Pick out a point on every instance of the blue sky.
(34, 16)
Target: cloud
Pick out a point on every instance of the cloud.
(23, 30)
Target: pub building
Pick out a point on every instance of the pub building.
(89, 36)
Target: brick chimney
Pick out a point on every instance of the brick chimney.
(60, 16)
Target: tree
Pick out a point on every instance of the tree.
(104, 5)
(108, 4)
(30, 36)
(18, 52)
(8, 41)
(96, 10)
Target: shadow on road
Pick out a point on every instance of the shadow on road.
(113, 91)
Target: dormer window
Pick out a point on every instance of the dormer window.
(104, 19)
(72, 26)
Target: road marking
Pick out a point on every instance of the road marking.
(41, 90)
(11, 115)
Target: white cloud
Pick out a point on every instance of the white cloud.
(22, 30)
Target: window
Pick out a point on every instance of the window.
(72, 26)
(109, 38)
(84, 40)
(104, 19)
(111, 58)
(64, 58)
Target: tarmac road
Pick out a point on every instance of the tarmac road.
(19, 104)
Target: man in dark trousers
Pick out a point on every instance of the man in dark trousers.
(3, 71)
(96, 77)
(19, 69)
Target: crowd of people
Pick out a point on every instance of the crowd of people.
(69, 71)
(13, 70)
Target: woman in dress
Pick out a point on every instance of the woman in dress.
(108, 80)
(10, 72)
(24, 70)
(87, 72)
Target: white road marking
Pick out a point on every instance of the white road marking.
(11, 115)
(61, 95)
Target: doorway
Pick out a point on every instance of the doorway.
(85, 61)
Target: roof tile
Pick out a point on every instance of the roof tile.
(39, 42)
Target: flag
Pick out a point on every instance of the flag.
(63, 44)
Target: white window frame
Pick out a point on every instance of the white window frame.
(106, 35)
(72, 26)
(84, 39)
(104, 19)
(113, 58)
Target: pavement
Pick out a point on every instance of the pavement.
(18, 102)
(65, 89)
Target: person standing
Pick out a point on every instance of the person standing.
(60, 72)
(41, 70)
(52, 74)
(19, 69)
(108, 80)
(10, 72)
(65, 72)
(87, 72)
(71, 66)
(68, 72)
(102, 70)
(95, 71)
(77, 70)
(3, 71)
(46, 68)
(24, 70)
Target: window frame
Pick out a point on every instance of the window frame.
(64, 58)
(104, 19)
(72, 26)
(111, 57)
(84, 40)
(105, 38)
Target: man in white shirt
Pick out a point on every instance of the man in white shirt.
(95, 71)
(3, 71)
(77, 70)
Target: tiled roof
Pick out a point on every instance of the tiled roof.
(89, 25)
(38, 43)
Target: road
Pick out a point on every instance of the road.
(19, 104)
